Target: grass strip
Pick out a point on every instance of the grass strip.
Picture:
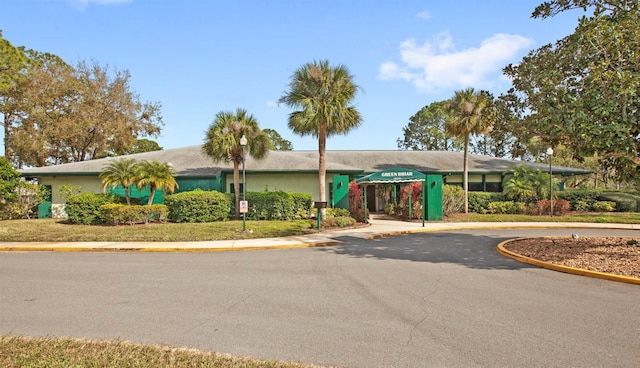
(18, 351)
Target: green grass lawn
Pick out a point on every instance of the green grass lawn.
(59, 230)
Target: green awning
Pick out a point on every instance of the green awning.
(395, 175)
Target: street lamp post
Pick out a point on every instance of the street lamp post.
(550, 155)
(243, 143)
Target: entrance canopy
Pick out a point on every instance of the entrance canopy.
(390, 176)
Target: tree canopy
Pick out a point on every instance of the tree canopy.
(57, 113)
(277, 142)
(468, 113)
(323, 95)
(582, 91)
(426, 131)
(223, 142)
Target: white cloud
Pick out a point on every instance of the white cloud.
(437, 64)
(81, 4)
(424, 15)
(271, 103)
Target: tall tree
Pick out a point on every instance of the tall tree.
(9, 180)
(277, 142)
(120, 172)
(323, 95)
(55, 113)
(13, 62)
(582, 90)
(157, 175)
(467, 115)
(222, 142)
(426, 131)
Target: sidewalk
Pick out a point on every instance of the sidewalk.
(377, 228)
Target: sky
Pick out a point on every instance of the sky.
(200, 57)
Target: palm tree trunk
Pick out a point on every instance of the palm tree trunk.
(322, 165)
(236, 186)
(152, 192)
(465, 177)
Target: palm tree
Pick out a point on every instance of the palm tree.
(222, 142)
(526, 184)
(467, 114)
(157, 175)
(323, 95)
(120, 172)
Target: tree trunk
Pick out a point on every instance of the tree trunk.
(322, 165)
(465, 176)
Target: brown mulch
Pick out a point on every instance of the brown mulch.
(615, 255)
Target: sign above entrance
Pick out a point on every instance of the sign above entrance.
(395, 175)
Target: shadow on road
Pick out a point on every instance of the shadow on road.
(473, 251)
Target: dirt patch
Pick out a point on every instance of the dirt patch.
(615, 255)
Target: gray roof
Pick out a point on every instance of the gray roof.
(192, 162)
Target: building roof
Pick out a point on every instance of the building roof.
(193, 162)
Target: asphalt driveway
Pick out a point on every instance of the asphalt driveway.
(445, 299)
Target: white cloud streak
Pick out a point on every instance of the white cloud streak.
(81, 4)
(424, 15)
(434, 65)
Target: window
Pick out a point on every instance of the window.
(232, 188)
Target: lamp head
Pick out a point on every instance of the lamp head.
(243, 141)
(549, 151)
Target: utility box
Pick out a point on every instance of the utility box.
(434, 197)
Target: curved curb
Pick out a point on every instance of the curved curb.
(163, 249)
(566, 269)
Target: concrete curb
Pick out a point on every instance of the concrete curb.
(72, 249)
(566, 269)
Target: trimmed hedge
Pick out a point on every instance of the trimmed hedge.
(270, 206)
(625, 202)
(276, 205)
(479, 201)
(581, 200)
(84, 208)
(302, 205)
(507, 207)
(116, 214)
(604, 206)
(198, 206)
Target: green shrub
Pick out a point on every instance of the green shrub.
(198, 206)
(580, 200)
(337, 212)
(625, 202)
(582, 206)
(339, 221)
(479, 201)
(84, 208)
(507, 207)
(302, 205)
(117, 213)
(390, 209)
(604, 206)
(452, 199)
(270, 206)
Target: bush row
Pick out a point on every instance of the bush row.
(195, 206)
(198, 206)
(578, 200)
(117, 213)
(276, 205)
